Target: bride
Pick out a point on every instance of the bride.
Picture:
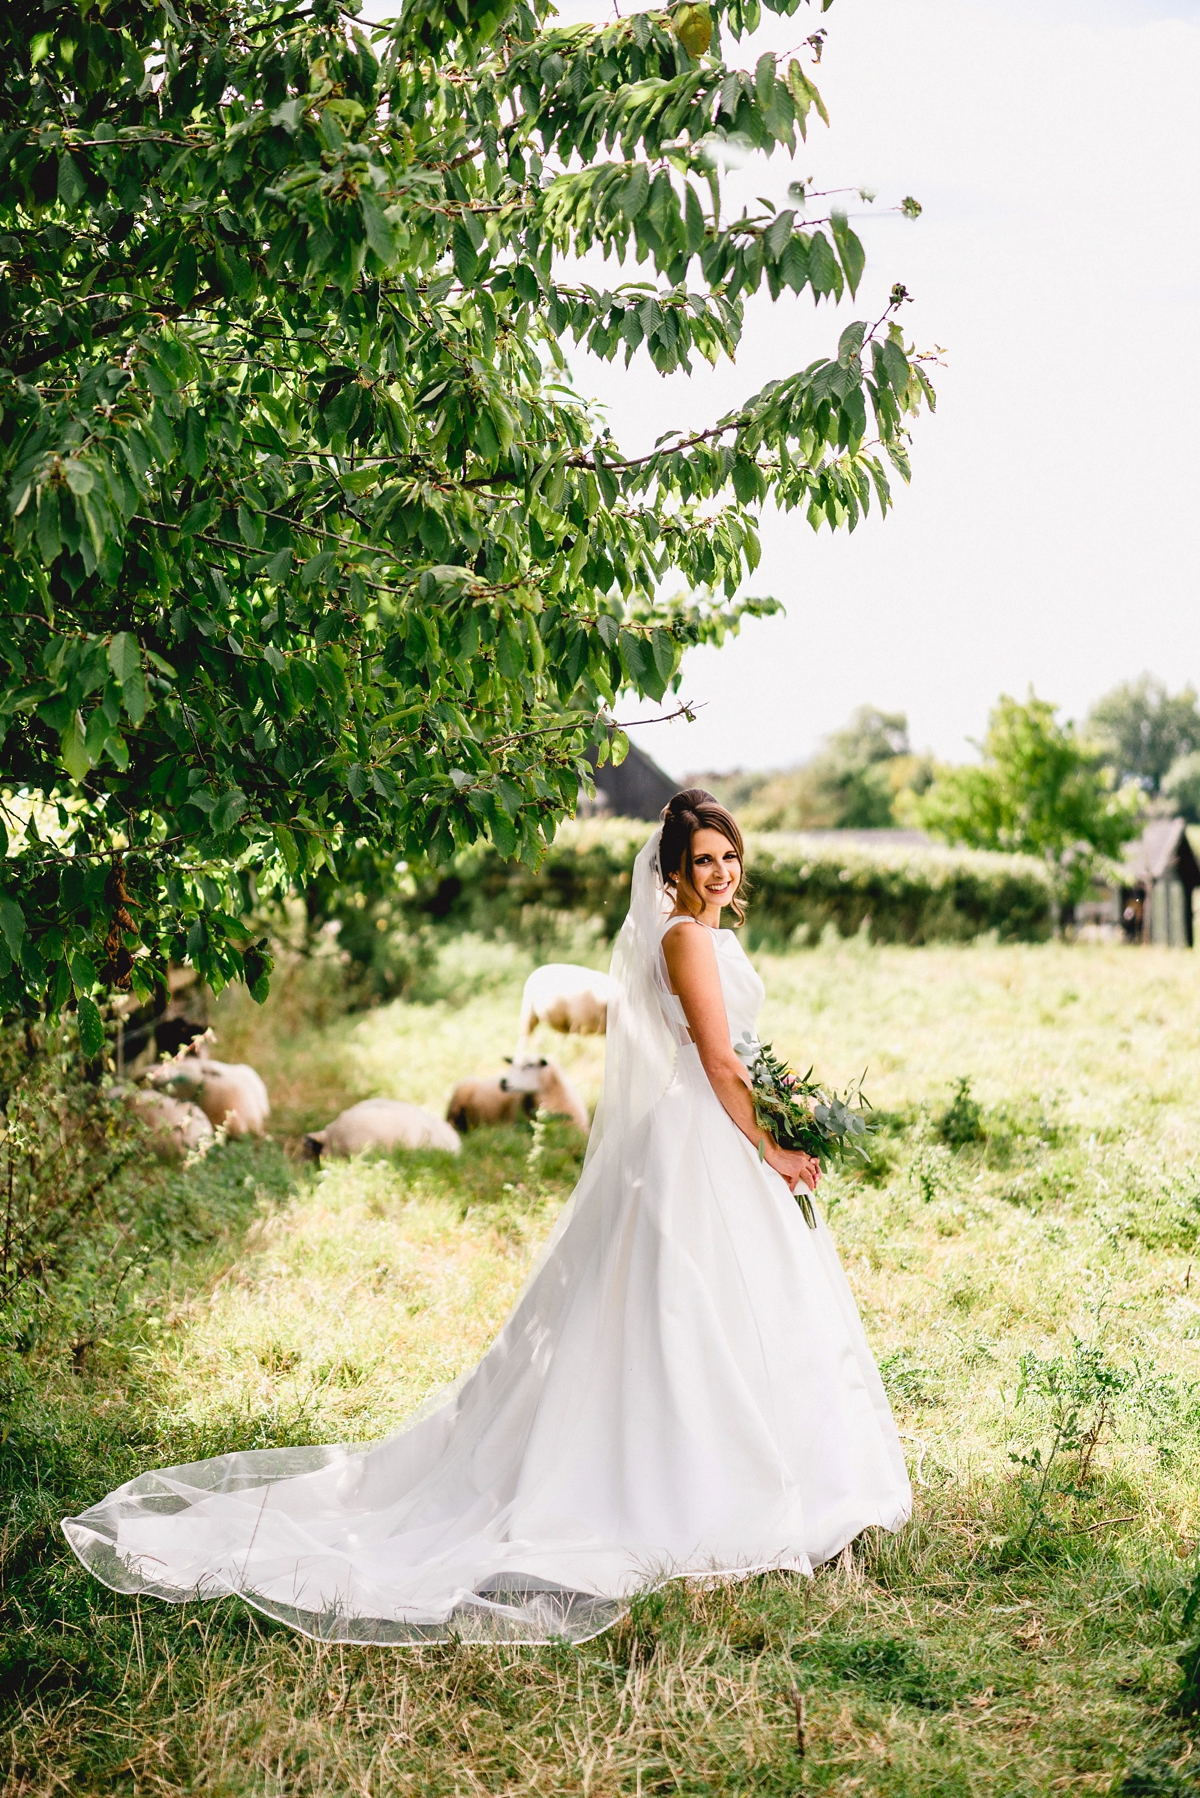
(682, 1387)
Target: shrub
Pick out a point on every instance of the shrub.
(800, 886)
(901, 893)
(62, 1144)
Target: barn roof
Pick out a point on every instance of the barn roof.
(638, 788)
(1163, 843)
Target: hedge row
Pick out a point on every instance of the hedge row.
(799, 886)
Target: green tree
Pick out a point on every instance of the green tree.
(852, 784)
(308, 541)
(1039, 791)
(857, 768)
(1143, 730)
(1181, 787)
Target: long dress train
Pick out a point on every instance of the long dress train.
(682, 1387)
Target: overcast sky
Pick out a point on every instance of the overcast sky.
(1050, 532)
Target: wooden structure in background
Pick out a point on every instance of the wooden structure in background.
(1163, 874)
(637, 789)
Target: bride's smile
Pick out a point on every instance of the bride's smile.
(716, 873)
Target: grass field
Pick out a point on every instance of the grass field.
(1022, 1253)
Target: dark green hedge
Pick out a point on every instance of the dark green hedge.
(799, 886)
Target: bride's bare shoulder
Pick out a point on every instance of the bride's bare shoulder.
(686, 943)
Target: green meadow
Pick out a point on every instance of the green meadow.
(1021, 1245)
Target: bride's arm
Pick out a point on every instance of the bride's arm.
(692, 965)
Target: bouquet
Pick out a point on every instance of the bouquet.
(800, 1114)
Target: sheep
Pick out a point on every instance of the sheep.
(175, 1125)
(531, 1086)
(570, 999)
(229, 1093)
(381, 1124)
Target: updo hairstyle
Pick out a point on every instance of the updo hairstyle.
(689, 811)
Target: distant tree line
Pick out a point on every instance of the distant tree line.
(1069, 794)
(858, 781)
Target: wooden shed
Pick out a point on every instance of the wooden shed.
(1161, 874)
(637, 789)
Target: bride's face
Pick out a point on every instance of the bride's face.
(716, 867)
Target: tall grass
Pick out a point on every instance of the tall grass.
(1022, 1249)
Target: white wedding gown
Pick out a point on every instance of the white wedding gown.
(682, 1387)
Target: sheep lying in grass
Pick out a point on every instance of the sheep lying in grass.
(176, 1126)
(227, 1092)
(381, 1124)
(528, 1087)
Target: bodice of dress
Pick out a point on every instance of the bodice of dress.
(741, 989)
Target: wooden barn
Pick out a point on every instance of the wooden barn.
(1151, 899)
(1162, 874)
(637, 789)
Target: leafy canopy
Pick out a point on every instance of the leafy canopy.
(1040, 791)
(309, 541)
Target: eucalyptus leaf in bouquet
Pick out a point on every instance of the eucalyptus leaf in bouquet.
(800, 1113)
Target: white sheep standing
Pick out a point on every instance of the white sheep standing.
(570, 999)
(382, 1124)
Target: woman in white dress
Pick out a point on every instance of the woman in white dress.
(683, 1386)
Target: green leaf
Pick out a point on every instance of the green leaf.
(851, 341)
(194, 454)
(73, 748)
(378, 230)
(503, 831)
(184, 276)
(285, 842)
(124, 656)
(895, 364)
(198, 517)
(91, 1026)
(693, 219)
(635, 190)
(12, 926)
(257, 966)
(134, 696)
(71, 185)
(746, 480)
(804, 96)
(227, 811)
(853, 256)
(466, 262)
(49, 536)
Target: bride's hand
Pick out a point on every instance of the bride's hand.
(796, 1167)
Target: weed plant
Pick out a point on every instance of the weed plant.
(1031, 1298)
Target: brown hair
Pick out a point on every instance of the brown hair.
(689, 811)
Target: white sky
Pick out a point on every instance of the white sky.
(1050, 531)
